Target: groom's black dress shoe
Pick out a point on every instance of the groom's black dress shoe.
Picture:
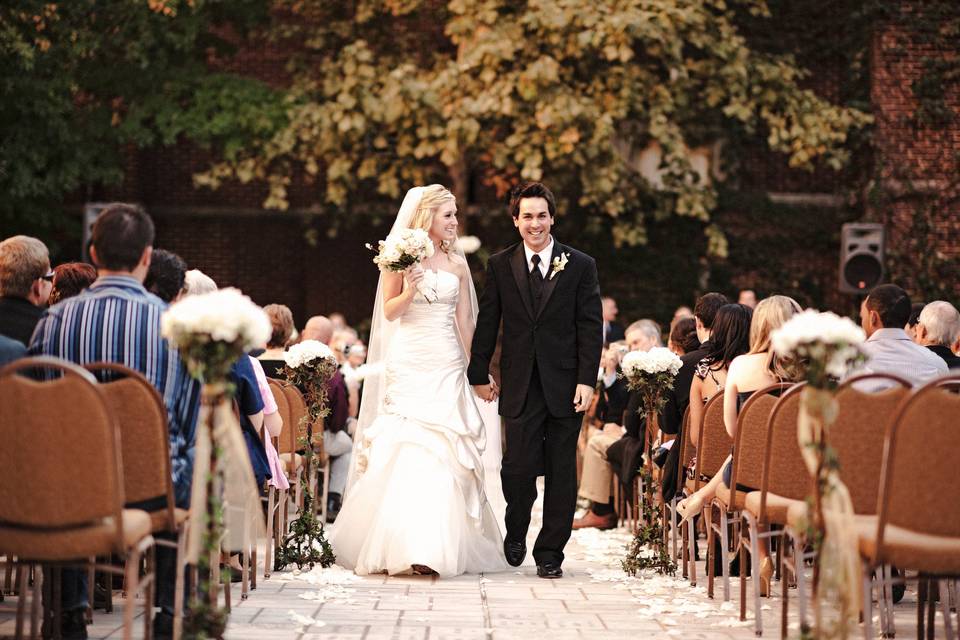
(514, 552)
(549, 570)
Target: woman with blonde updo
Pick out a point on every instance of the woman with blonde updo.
(416, 500)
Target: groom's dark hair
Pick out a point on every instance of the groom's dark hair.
(532, 190)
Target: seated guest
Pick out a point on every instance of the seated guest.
(10, 350)
(758, 368)
(682, 311)
(729, 338)
(196, 281)
(166, 275)
(683, 336)
(25, 285)
(642, 335)
(888, 348)
(612, 396)
(273, 423)
(117, 320)
(747, 297)
(338, 320)
(911, 326)
(281, 322)
(336, 438)
(69, 279)
(938, 329)
(612, 330)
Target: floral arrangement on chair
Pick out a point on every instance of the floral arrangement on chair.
(831, 346)
(309, 366)
(212, 331)
(651, 374)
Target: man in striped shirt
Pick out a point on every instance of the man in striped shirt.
(117, 320)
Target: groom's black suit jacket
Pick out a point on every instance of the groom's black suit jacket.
(563, 337)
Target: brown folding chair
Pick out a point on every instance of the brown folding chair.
(746, 469)
(864, 405)
(671, 533)
(917, 525)
(77, 511)
(298, 409)
(145, 447)
(712, 451)
(276, 499)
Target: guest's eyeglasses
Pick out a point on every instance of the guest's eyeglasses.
(47, 276)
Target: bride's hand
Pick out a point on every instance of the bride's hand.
(413, 275)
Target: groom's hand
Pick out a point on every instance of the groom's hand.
(486, 392)
(582, 397)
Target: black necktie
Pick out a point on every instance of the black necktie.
(536, 281)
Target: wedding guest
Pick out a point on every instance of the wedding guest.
(69, 279)
(747, 297)
(336, 438)
(642, 335)
(911, 326)
(338, 320)
(612, 330)
(166, 275)
(117, 320)
(281, 323)
(938, 329)
(25, 284)
(10, 350)
(754, 370)
(196, 281)
(612, 399)
(682, 312)
(888, 347)
(683, 336)
(730, 337)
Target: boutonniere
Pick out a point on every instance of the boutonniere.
(559, 264)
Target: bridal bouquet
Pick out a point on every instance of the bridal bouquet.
(403, 249)
(831, 347)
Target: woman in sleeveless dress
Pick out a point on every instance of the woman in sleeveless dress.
(416, 500)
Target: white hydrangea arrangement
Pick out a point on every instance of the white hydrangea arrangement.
(651, 373)
(306, 351)
(469, 244)
(212, 330)
(830, 343)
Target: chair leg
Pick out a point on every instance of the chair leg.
(867, 604)
(725, 554)
(130, 580)
(56, 600)
(798, 568)
(22, 602)
(944, 586)
(178, 589)
(92, 581)
(887, 592)
(692, 549)
(271, 518)
(151, 578)
(711, 552)
(785, 585)
(742, 555)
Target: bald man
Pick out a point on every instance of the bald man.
(336, 440)
(318, 328)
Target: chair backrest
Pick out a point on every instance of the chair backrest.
(749, 445)
(857, 434)
(298, 409)
(713, 443)
(61, 444)
(687, 450)
(920, 483)
(784, 472)
(286, 441)
(144, 435)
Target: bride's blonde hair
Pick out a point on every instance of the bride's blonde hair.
(433, 196)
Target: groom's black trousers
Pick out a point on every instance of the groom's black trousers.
(541, 444)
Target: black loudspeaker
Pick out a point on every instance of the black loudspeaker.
(861, 256)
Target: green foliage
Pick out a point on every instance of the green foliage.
(86, 80)
(510, 91)
(647, 549)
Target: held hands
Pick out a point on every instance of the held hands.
(488, 392)
(582, 397)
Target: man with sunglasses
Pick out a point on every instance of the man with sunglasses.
(25, 284)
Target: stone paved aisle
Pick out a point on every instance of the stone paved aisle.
(594, 600)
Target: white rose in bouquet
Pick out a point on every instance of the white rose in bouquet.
(403, 249)
(305, 352)
(656, 360)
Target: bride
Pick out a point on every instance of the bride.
(416, 499)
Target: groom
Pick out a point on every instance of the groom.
(548, 298)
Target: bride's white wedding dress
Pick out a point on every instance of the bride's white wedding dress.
(421, 499)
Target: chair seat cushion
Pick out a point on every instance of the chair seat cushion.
(777, 506)
(736, 502)
(159, 522)
(76, 542)
(909, 549)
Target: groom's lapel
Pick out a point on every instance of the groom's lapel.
(551, 283)
(518, 264)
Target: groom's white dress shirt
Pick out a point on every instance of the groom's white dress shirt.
(545, 256)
